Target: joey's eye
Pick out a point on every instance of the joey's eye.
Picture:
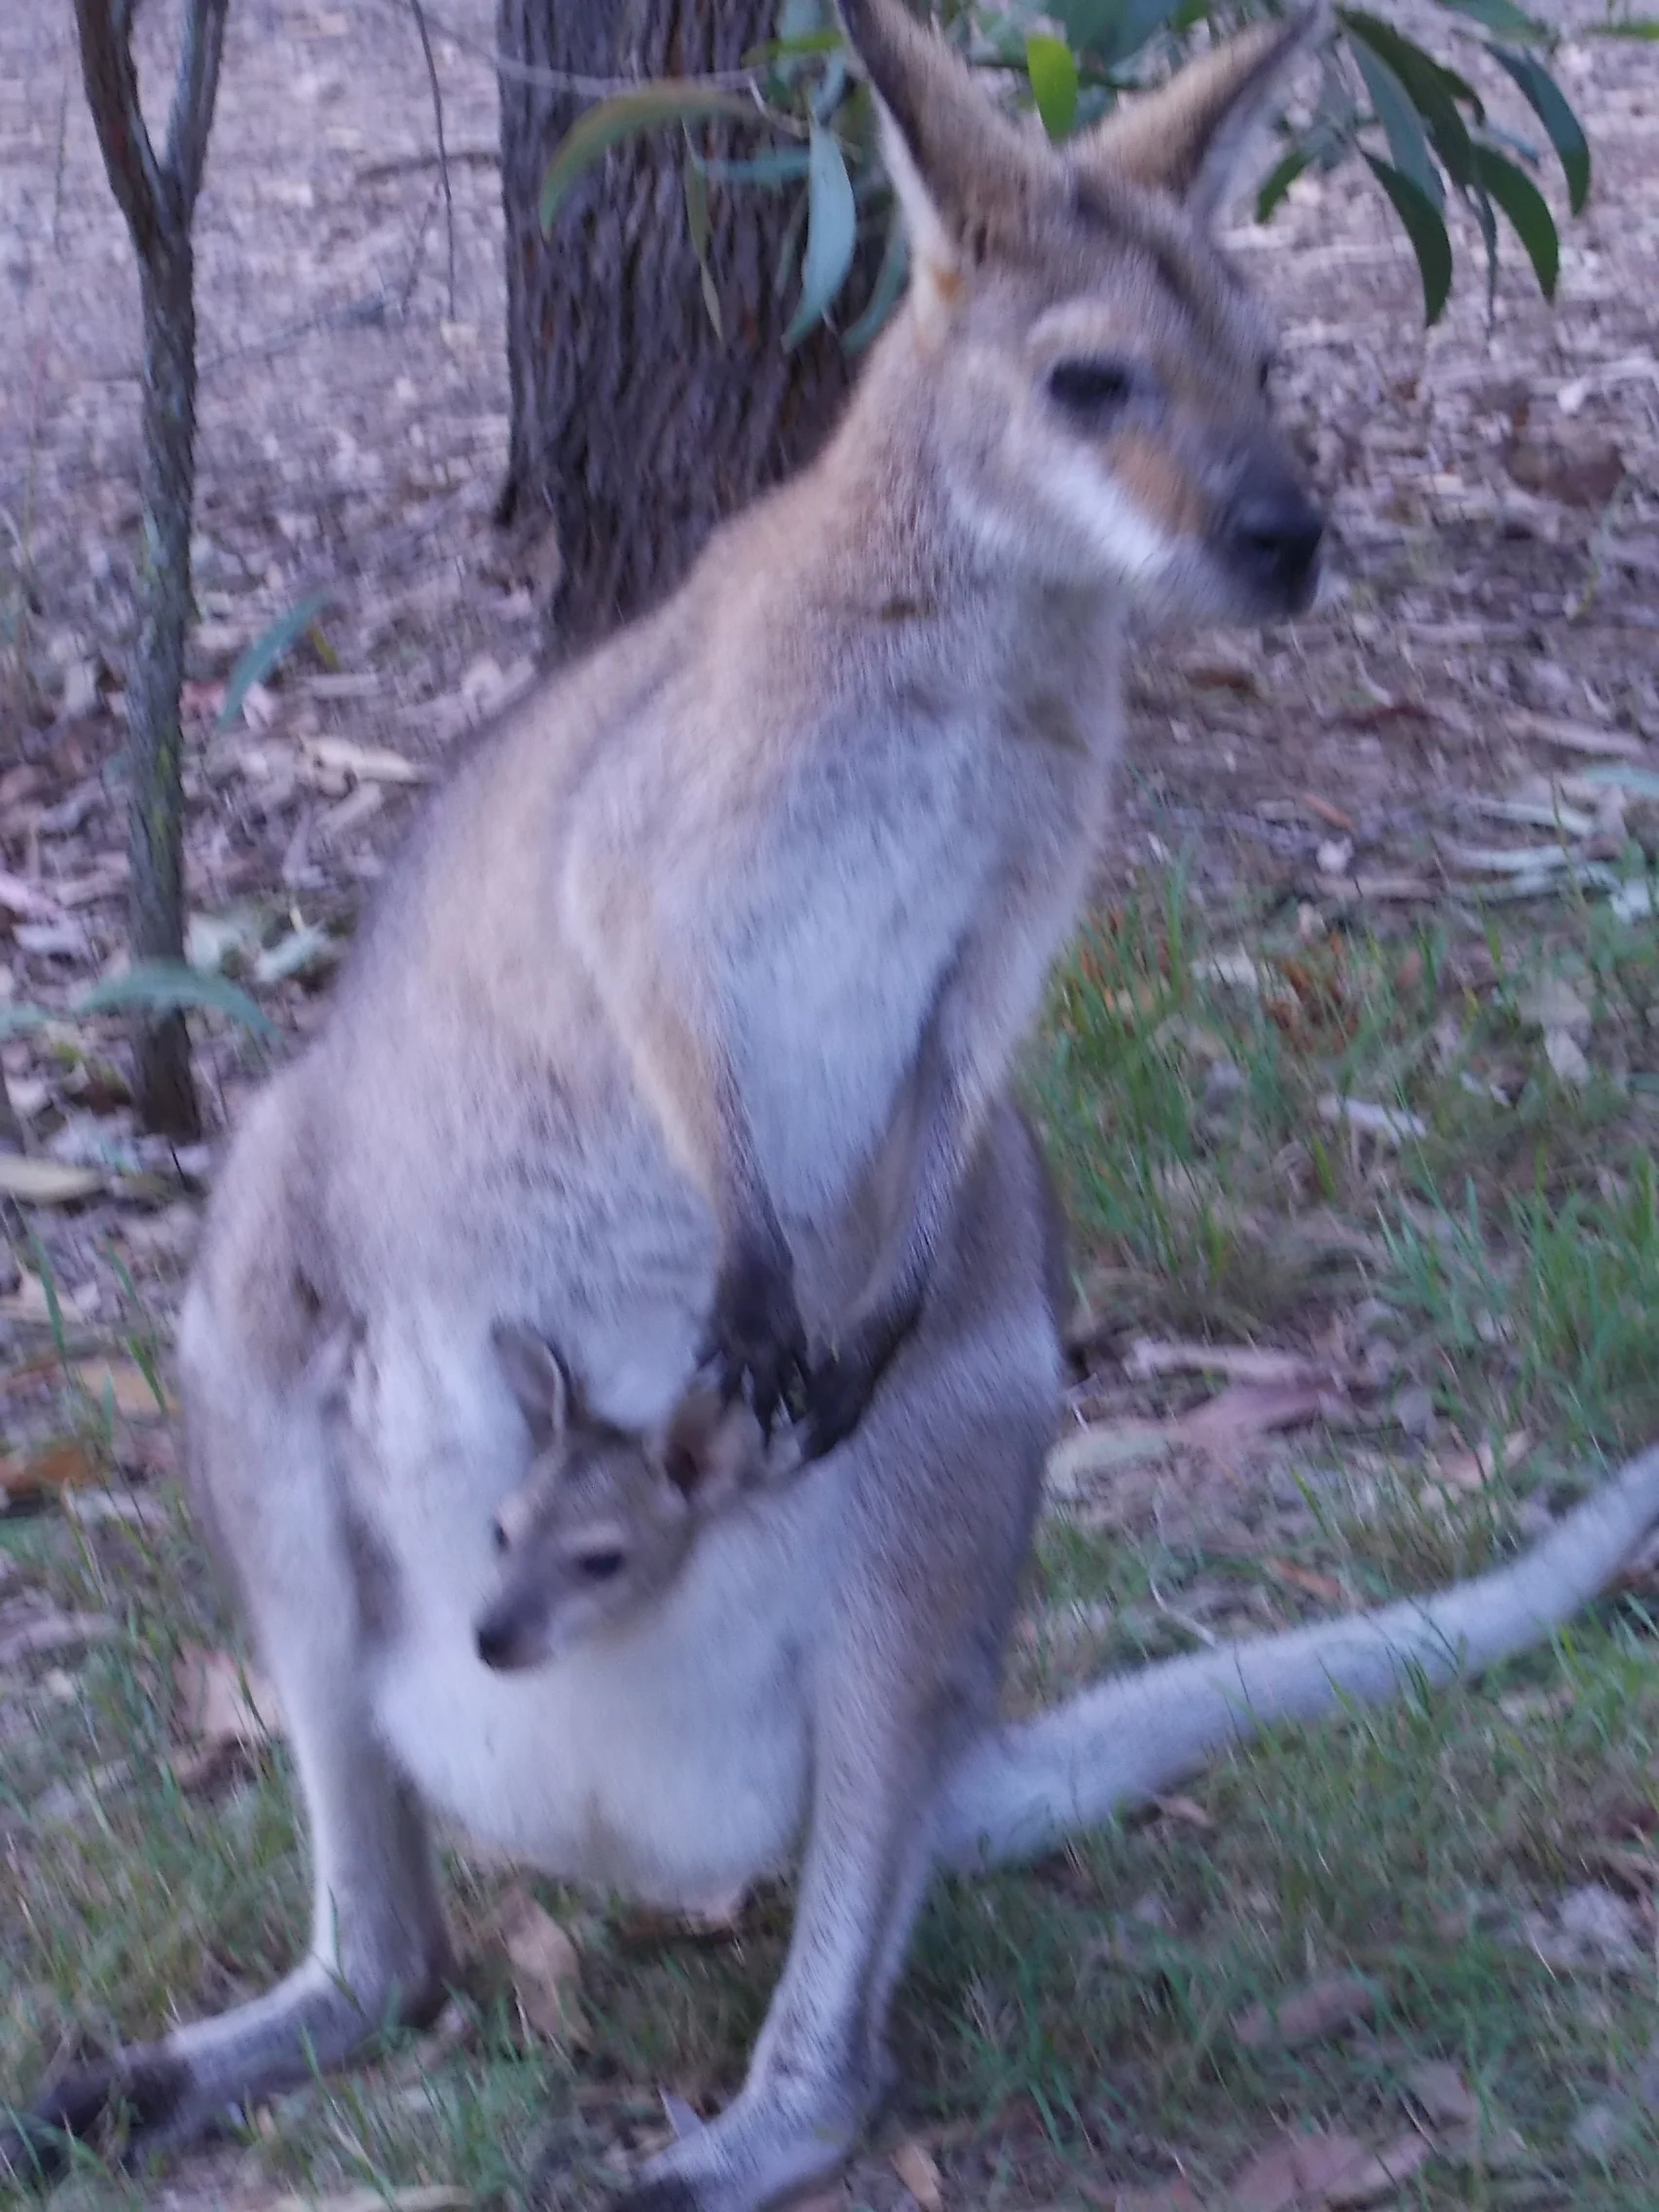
(1264, 375)
(1089, 386)
(601, 1566)
(498, 1533)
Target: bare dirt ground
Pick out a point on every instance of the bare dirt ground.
(1493, 628)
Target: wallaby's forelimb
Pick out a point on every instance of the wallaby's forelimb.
(1023, 1789)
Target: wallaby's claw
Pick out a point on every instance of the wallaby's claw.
(756, 1344)
(845, 1381)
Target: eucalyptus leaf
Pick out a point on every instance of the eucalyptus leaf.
(271, 645)
(1402, 127)
(1640, 783)
(884, 293)
(1279, 179)
(1528, 212)
(1433, 91)
(698, 228)
(1500, 16)
(162, 986)
(781, 165)
(831, 232)
(644, 107)
(1052, 72)
(1549, 104)
(1424, 226)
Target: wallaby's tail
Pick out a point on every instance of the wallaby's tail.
(1023, 1787)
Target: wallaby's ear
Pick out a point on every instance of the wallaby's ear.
(710, 1451)
(538, 1378)
(954, 161)
(1190, 137)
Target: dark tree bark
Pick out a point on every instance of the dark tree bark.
(634, 428)
(158, 198)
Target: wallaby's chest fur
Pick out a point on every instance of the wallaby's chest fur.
(823, 759)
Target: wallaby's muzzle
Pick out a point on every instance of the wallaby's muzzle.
(1270, 536)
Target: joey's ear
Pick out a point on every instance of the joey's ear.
(538, 1378)
(1190, 137)
(710, 1451)
(958, 167)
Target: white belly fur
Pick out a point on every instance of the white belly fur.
(668, 1761)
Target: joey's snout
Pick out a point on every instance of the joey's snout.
(1269, 533)
(506, 1638)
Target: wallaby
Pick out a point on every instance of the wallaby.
(734, 924)
(821, 1674)
(602, 1522)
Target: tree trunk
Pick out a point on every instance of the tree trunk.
(166, 1093)
(635, 429)
(156, 195)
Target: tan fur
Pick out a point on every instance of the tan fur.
(1165, 139)
(685, 1022)
(1156, 482)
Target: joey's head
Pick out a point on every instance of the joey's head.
(605, 1518)
(1100, 378)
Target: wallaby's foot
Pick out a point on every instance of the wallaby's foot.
(124, 2106)
(154, 2097)
(782, 2133)
(755, 1337)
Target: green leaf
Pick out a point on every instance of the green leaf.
(267, 649)
(1633, 27)
(884, 293)
(1434, 90)
(1053, 82)
(1401, 125)
(1527, 211)
(804, 45)
(1640, 783)
(782, 165)
(698, 227)
(645, 107)
(832, 230)
(1500, 16)
(1279, 179)
(801, 19)
(162, 986)
(1424, 226)
(1549, 104)
(1109, 31)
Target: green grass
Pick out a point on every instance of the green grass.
(1078, 2020)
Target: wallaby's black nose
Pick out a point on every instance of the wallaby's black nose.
(495, 1639)
(1273, 531)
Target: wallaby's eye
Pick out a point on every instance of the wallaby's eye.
(1089, 386)
(498, 1531)
(1266, 374)
(601, 1566)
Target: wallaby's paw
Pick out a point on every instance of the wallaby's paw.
(755, 1339)
(845, 1381)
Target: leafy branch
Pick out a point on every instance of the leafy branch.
(1418, 123)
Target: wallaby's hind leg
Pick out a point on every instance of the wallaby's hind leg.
(376, 1961)
(820, 2066)
(940, 1482)
(377, 1954)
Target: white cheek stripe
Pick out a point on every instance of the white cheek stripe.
(1110, 519)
